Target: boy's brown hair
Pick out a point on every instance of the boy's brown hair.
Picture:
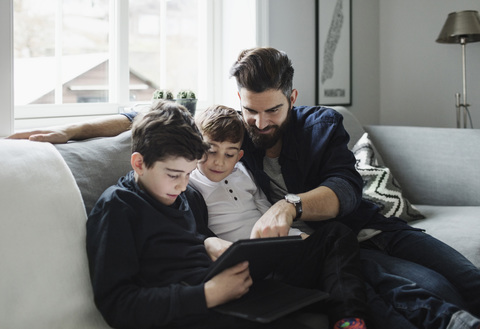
(168, 130)
(221, 124)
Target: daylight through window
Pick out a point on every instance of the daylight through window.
(74, 51)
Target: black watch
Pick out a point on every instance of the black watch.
(297, 202)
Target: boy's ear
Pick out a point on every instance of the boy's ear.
(240, 155)
(136, 160)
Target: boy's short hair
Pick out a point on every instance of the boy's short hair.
(261, 69)
(168, 130)
(221, 124)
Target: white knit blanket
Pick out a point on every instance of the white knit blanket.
(44, 279)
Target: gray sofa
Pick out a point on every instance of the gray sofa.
(47, 191)
(438, 171)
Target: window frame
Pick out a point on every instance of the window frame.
(222, 49)
(118, 73)
(6, 68)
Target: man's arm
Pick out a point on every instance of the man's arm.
(333, 187)
(103, 127)
(318, 204)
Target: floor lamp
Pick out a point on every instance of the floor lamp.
(461, 27)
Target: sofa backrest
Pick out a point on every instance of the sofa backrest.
(434, 166)
(97, 164)
(351, 125)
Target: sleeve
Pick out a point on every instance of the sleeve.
(130, 115)
(338, 166)
(114, 265)
(200, 211)
(348, 198)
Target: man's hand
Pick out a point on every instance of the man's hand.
(231, 284)
(55, 136)
(275, 222)
(108, 126)
(318, 204)
(216, 246)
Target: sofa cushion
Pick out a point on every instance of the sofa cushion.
(97, 164)
(44, 281)
(459, 227)
(379, 184)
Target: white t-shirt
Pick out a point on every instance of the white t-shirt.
(234, 204)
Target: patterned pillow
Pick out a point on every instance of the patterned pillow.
(379, 185)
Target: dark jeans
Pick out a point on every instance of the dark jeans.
(330, 262)
(419, 279)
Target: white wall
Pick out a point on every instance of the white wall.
(419, 77)
(292, 29)
(401, 76)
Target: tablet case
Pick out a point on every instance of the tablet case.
(263, 255)
(269, 300)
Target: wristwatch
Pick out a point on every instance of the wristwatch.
(297, 202)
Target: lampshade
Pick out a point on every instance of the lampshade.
(462, 24)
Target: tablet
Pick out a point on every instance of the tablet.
(263, 255)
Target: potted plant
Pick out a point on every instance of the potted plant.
(187, 98)
(161, 94)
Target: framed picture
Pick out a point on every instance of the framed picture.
(334, 55)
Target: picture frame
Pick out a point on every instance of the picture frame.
(333, 52)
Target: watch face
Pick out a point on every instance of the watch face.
(293, 198)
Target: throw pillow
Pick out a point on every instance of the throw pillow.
(379, 184)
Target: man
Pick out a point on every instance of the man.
(303, 150)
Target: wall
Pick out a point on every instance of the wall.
(401, 76)
(292, 29)
(419, 77)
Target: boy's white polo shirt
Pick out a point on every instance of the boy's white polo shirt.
(234, 204)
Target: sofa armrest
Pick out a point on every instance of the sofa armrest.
(435, 166)
(44, 281)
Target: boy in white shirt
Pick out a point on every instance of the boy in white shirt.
(234, 201)
(235, 204)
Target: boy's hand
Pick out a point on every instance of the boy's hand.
(231, 284)
(216, 246)
(275, 222)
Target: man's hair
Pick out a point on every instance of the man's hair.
(261, 69)
(168, 130)
(221, 123)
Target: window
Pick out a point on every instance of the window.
(77, 58)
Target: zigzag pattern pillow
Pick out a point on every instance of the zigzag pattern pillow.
(379, 185)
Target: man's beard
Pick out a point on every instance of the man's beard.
(266, 141)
